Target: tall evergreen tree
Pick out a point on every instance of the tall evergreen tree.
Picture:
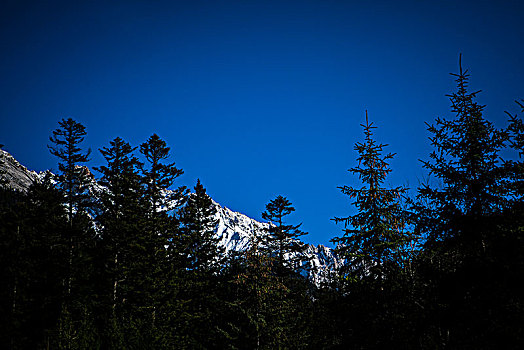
(516, 129)
(34, 263)
(158, 177)
(198, 224)
(12, 268)
(515, 173)
(44, 251)
(271, 304)
(377, 233)
(121, 234)
(202, 261)
(282, 238)
(73, 181)
(516, 167)
(371, 280)
(466, 262)
(466, 160)
(258, 318)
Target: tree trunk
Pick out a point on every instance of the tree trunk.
(115, 283)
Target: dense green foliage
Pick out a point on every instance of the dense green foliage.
(130, 261)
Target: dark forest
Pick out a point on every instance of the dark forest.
(436, 267)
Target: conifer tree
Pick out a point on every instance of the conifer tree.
(466, 160)
(201, 262)
(12, 267)
(283, 249)
(121, 221)
(282, 238)
(467, 261)
(73, 179)
(377, 233)
(34, 261)
(159, 175)
(515, 173)
(73, 182)
(258, 324)
(45, 257)
(158, 178)
(516, 129)
(198, 224)
(516, 167)
(371, 279)
(510, 250)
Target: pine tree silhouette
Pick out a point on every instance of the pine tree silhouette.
(377, 232)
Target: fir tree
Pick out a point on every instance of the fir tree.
(272, 303)
(45, 238)
(73, 182)
(198, 224)
(283, 249)
(516, 130)
(260, 291)
(377, 233)
(467, 263)
(515, 168)
(371, 280)
(121, 221)
(515, 175)
(202, 261)
(11, 266)
(282, 238)
(158, 177)
(466, 160)
(32, 233)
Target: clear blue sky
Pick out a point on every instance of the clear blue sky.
(256, 98)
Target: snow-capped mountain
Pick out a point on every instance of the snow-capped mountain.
(233, 229)
(18, 176)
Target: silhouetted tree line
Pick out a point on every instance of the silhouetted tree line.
(130, 261)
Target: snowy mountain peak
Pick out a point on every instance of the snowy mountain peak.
(18, 176)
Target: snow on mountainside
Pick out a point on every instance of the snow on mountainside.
(233, 229)
(18, 176)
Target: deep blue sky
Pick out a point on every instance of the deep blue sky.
(257, 98)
